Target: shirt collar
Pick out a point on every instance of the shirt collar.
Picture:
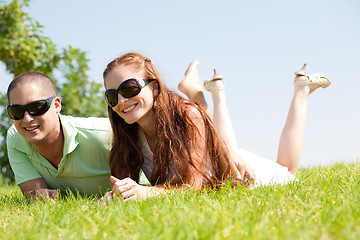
(70, 133)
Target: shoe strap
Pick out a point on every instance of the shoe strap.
(208, 86)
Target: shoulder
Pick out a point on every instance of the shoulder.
(12, 131)
(196, 115)
(13, 135)
(193, 111)
(15, 141)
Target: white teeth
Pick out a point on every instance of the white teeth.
(129, 109)
(30, 129)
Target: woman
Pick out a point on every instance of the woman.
(265, 170)
(173, 140)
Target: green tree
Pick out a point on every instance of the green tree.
(80, 96)
(23, 47)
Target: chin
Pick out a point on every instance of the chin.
(33, 139)
(129, 121)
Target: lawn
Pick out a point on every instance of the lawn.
(323, 204)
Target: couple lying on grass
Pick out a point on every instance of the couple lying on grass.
(174, 142)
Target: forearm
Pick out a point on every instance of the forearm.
(37, 189)
(129, 190)
(41, 194)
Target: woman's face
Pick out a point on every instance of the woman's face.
(134, 109)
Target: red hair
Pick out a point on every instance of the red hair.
(176, 136)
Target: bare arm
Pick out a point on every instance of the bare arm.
(37, 189)
(129, 190)
(198, 152)
(239, 168)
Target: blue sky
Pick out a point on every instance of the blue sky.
(255, 45)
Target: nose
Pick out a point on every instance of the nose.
(121, 99)
(27, 117)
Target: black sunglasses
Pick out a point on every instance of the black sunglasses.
(35, 108)
(127, 89)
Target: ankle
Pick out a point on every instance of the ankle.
(218, 95)
(302, 92)
(199, 98)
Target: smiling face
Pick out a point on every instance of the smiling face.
(135, 109)
(36, 129)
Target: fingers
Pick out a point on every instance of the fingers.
(125, 188)
(132, 198)
(250, 175)
(249, 178)
(118, 183)
(131, 193)
(107, 197)
(245, 174)
(237, 174)
(242, 173)
(114, 189)
(128, 189)
(114, 179)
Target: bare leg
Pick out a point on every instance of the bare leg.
(221, 117)
(191, 86)
(291, 139)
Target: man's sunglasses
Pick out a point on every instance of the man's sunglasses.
(127, 89)
(35, 108)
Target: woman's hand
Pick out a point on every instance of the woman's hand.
(244, 172)
(129, 190)
(107, 197)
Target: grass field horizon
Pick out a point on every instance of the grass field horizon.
(323, 203)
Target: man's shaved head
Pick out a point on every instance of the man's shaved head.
(40, 80)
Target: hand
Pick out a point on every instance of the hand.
(243, 171)
(44, 194)
(129, 190)
(107, 197)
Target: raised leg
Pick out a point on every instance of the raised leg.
(191, 86)
(291, 139)
(221, 115)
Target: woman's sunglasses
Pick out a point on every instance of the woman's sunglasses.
(127, 89)
(35, 108)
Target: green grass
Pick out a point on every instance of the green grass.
(323, 204)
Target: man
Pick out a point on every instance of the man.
(48, 151)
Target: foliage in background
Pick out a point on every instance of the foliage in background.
(80, 97)
(24, 47)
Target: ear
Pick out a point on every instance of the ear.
(57, 104)
(155, 88)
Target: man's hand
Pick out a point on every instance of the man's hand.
(44, 194)
(37, 189)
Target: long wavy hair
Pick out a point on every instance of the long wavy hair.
(176, 136)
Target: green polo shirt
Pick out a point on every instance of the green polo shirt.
(84, 166)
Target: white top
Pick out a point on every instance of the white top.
(266, 171)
